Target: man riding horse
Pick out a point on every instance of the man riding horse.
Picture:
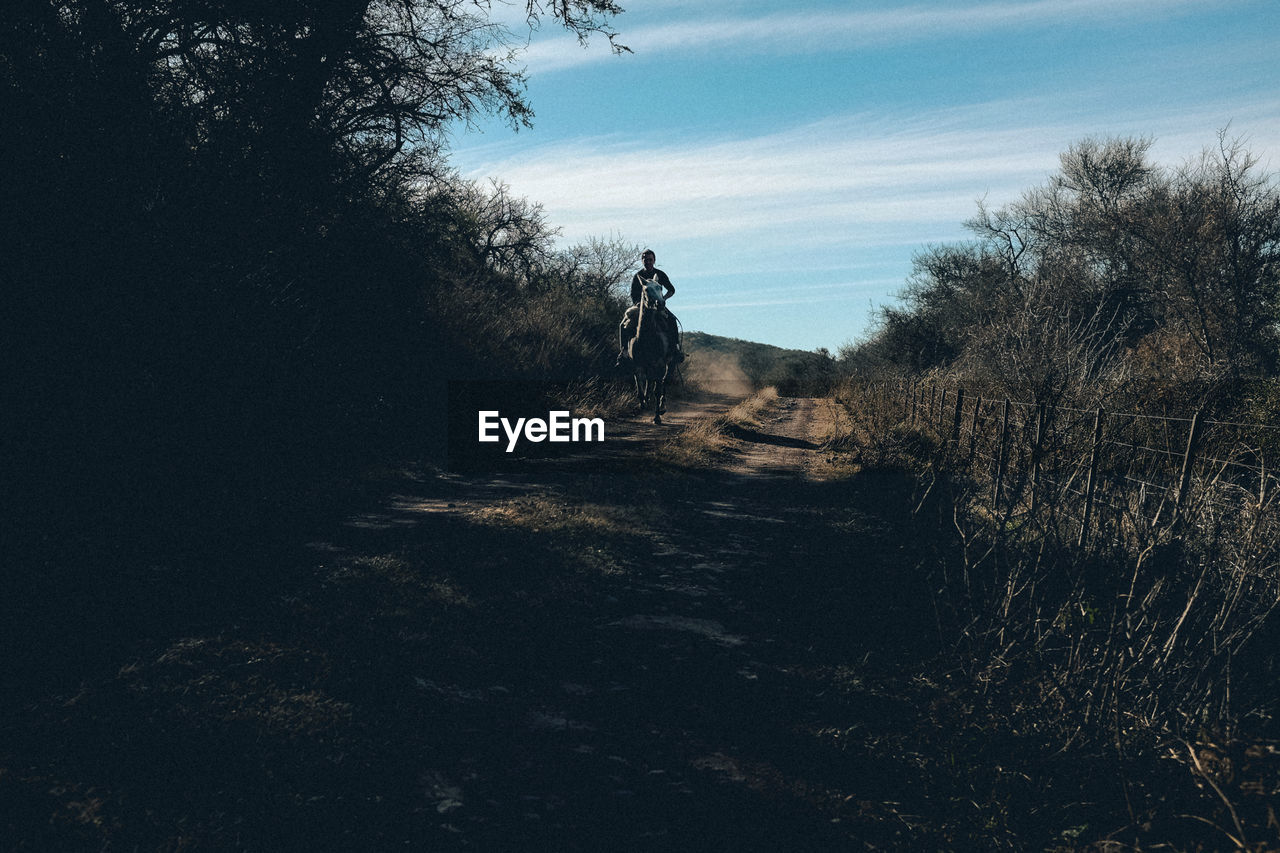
(628, 327)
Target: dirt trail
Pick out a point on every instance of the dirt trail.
(565, 658)
(696, 708)
(787, 444)
(789, 440)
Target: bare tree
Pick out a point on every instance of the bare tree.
(508, 234)
(366, 80)
(597, 268)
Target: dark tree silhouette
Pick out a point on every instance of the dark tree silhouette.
(227, 227)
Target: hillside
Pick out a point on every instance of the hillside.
(735, 366)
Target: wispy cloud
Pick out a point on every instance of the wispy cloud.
(855, 195)
(841, 169)
(756, 297)
(812, 31)
(841, 174)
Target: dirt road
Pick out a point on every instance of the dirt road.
(788, 441)
(557, 659)
(694, 706)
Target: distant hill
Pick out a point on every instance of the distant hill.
(733, 366)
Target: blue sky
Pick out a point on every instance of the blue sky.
(786, 162)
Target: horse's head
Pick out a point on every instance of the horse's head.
(652, 297)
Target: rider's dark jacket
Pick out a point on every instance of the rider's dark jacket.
(639, 280)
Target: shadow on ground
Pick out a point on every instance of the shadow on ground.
(562, 660)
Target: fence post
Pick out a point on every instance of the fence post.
(942, 407)
(997, 489)
(1035, 458)
(1091, 483)
(915, 391)
(1188, 465)
(973, 426)
(955, 424)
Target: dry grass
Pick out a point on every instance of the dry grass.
(704, 440)
(546, 513)
(746, 413)
(261, 685)
(865, 433)
(397, 585)
(589, 537)
(1099, 654)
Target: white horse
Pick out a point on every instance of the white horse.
(652, 351)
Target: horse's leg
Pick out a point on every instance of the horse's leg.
(641, 389)
(660, 393)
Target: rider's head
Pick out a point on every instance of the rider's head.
(649, 258)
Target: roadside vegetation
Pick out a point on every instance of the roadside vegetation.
(239, 267)
(1106, 566)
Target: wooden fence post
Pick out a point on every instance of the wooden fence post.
(1188, 466)
(955, 424)
(973, 426)
(1035, 458)
(997, 489)
(1091, 482)
(942, 407)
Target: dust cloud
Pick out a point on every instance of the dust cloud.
(718, 373)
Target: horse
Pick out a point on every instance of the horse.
(651, 350)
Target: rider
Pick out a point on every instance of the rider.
(628, 326)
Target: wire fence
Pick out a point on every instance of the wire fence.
(1093, 477)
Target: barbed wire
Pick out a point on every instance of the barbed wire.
(1054, 449)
